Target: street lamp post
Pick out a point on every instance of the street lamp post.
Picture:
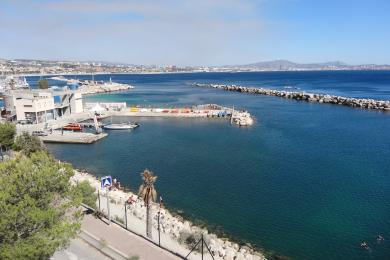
(126, 213)
(158, 220)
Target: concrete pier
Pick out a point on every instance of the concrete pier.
(200, 111)
(56, 135)
(156, 114)
(72, 137)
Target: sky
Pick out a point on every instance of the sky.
(196, 32)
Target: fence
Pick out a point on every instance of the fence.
(132, 217)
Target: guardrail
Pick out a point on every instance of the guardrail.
(135, 233)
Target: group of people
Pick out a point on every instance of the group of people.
(115, 185)
(379, 238)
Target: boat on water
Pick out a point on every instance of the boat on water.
(73, 127)
(121, 126)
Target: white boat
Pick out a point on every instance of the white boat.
(122, 126)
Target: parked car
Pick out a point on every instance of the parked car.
(25, 122)
(39, 133)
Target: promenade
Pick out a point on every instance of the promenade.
(122, 241)
(175, 234)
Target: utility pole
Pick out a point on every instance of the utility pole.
(158, 220)
(108, 206)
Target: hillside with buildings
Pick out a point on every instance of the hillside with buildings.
(45, 67)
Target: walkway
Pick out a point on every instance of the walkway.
(124, 241)
(79, 250)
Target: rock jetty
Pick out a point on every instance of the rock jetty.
(364, 103)
(92, 87)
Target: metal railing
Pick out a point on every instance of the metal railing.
(200, 243)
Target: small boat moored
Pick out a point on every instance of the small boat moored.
(121, 126)
(73, 127)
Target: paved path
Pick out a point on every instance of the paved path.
(124, 241)
(79, 250)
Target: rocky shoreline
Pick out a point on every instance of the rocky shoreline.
(175, 231)
(363, 103)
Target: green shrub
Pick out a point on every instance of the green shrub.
(28, 144)
(7, 134)
(86, 193)
(43, 84)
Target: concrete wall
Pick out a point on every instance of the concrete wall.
(77, 103)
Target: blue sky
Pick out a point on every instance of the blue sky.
(196, 32)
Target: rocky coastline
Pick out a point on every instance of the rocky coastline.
(362, 103)
(175, 231)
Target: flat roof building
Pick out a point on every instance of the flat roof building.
(38, 106)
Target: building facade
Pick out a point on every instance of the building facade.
(38, 106)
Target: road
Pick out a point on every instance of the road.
(79, 250)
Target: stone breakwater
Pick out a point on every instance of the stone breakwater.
(364, 103)
(175, 231)
(95, 88)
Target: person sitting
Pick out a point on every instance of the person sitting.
(131, 200)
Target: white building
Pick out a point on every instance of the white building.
(37, 106)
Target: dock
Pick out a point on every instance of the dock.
(72, 137)
(55, 134)
(200, 111)
(241, 118)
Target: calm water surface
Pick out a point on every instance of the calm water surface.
(309, 181)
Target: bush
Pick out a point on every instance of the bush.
(190, 239)
(43, 84)
(119, 219)
(28, 144)
(86, 193)
(7, 134)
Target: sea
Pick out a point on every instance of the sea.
(306, 181)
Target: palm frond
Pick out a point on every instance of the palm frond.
(146, 189)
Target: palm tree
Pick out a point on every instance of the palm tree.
(148, 194)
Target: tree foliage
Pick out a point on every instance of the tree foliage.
(87, 193)
(38, 207)
(43, 84)
(28, 144)
(7, 134)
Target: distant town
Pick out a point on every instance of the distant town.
(44, 67)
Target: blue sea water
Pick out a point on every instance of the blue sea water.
(308, 180)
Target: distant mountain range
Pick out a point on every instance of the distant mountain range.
(289, 65)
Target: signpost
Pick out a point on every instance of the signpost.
(106, 182)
